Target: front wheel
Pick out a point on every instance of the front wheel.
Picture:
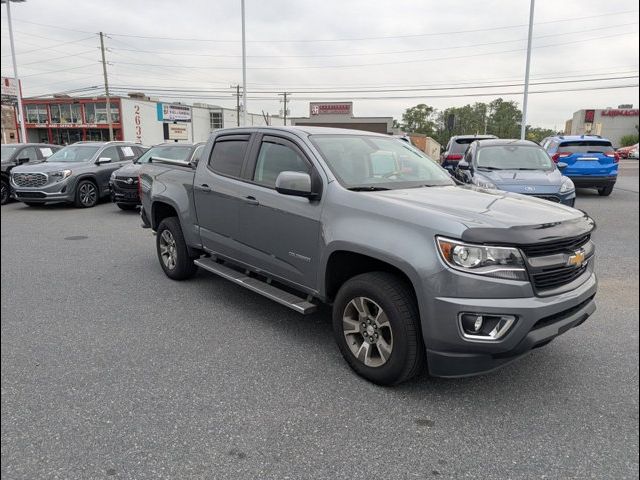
(86, 194)
(377, 327)
(6, 193)
(605, 191)
(172, 250)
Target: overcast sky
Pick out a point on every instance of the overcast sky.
(331, 44)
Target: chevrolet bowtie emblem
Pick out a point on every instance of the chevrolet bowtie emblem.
(577, 259)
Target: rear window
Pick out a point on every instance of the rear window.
(460, 145)
(586, 146)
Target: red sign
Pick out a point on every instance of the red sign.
(589, 115)
(343, 108)
(621, 113)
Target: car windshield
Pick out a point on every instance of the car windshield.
(586, 146)
(171, 152)
(370, 163)
(74, 153)
(7, 151)
(513, 157)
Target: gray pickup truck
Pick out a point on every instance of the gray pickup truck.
(418, 271)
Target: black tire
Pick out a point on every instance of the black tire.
(183, 266)
(605, 191)
(126, 206)
(87, 194)
(6, 192)
(396, 298)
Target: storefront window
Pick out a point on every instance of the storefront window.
(75, 113)
(55, 113)
(97, 113)
(36, 113)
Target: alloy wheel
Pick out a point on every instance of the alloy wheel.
(367, 331)
(168, 251)
(88, 194)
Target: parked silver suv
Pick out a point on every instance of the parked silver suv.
(77, 174)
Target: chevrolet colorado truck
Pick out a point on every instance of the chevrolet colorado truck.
(418, 271)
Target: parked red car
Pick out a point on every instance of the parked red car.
(624, 151)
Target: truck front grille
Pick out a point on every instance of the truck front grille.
(568, 245)
(30, 180)
(557, 277)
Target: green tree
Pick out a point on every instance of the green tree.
(537, 134)
(628, 140)
(504, 119)
(419, 119)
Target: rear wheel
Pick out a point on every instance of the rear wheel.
(5, 192)
(605, 191)
(172, 250)
(126, 206)
(86, 194)
(377, 327)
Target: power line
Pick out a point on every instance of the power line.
(50, 47)
(400, 62)
(353, 39)
(22, 64)
(368, 54)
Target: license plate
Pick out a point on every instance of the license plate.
(589, 159)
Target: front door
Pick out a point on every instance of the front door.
(280, 234)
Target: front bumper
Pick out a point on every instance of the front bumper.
(539, 320)
(52, 193)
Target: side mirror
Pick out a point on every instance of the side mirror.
(20, 161)
(103, 160)
(297, 184)
(562, 166)
(464, 165)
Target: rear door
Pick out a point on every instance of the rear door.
(104, 170)
(218, 194)
(587, 157)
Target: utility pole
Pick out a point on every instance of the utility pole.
(106, 88)
(523, 129)
(23, 131)
(284, 101)
(244, 68)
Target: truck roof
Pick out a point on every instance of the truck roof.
(306, 129)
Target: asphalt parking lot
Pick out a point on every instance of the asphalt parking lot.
(111, 370)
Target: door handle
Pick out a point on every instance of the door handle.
(251, 200)
(203, 188)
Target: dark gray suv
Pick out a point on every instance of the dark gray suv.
(77, 174)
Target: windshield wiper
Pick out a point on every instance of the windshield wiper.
(488, 168)
(531, 169)
(367, 188)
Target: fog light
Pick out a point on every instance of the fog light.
(479, 326)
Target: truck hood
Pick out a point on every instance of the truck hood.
(46, 167)
(478, 208)
(537, 178)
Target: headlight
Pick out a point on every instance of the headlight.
(497, 262)
(484, 184)
(567, 186)
(59, 176)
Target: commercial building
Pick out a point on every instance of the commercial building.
(136, 118)
(611, 123)
(9, 124)
(340, 115)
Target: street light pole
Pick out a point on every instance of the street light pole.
(23, 131)
(244, 69)
(523, 127)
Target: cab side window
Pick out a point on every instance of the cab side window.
(227, 156)
(275, 158)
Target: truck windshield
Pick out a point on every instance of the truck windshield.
(385, 163)
(7, 151)
(513, 157)
(74, 153)
(170, 152)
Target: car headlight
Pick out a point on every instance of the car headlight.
(497, 262)
(59, 176)
(567, 186)
(484, 184)
(112, 177)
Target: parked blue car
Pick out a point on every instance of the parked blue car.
(518, 166)
(591, 160)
